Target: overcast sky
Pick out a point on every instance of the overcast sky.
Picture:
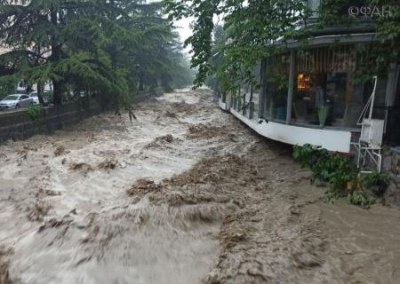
(184, 28)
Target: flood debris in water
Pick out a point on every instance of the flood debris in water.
(142, 187)
(5, 266)
(108, 164)
(192, 197)
(206, 131)
(59, 151)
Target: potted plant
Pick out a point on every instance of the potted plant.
(323, 112)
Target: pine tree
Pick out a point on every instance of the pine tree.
(107, 49)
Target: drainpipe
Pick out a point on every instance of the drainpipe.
(291, 86)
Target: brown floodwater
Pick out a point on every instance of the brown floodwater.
(183, 194)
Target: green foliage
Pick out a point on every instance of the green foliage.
(376, 182)
(249, 28)
(339, 172)
(331, 195)
(258, 29)
(378, 55)
(360, 198)
(6, 89)
(309, 155)
(335, 169)
(108, 49)
(376, 178)
(36, 113)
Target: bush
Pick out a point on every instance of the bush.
(376, 182)
(36, 112)
(339, 172)
(360, 198)
(334, 169)
(309, 155)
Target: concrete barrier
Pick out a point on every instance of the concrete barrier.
(18, 125)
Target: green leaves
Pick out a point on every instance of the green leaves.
(340, 173)
(107, 49)
(360, 198)
(334, 169)
(251, 28)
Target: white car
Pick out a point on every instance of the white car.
(15, 101)
(35, 98)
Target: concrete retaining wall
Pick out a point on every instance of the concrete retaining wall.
(18, 125)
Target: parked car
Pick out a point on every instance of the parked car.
(15, 101)
(35, 98)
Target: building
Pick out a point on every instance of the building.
(320, 101)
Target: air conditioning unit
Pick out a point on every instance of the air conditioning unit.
(372, 132)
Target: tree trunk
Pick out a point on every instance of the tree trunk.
(57, 93)
(40, 89)
(141, 83)
(55, 56)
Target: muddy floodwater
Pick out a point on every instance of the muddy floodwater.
(184, 194)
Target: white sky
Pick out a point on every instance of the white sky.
(183, 27)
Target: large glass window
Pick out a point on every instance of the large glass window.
(326, 92)
(277, 87)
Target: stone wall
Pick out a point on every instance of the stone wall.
(18, 125)
(391, 165)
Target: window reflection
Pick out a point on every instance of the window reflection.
(326, 93)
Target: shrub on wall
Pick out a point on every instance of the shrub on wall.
(36, 113)
(341, 174)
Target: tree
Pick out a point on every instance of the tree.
(252, 28)
(385, 21)
(99, 47)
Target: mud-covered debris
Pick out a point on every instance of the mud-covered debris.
(64, 161)
(294, 210)
(30, 148)
(217, 170)
(142, 187)
(231, 236)
(203, 131)
(162, 140)
(5, 266)
(23, 154)
(108, 164)
(60, 150)
(47, 192)
(82, 167)
(39, 210)
(92, 233)
(169, 138)
(168, 114)
(183, 107)
(306, 260)
(55, 223)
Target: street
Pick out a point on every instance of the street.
(184, 194)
